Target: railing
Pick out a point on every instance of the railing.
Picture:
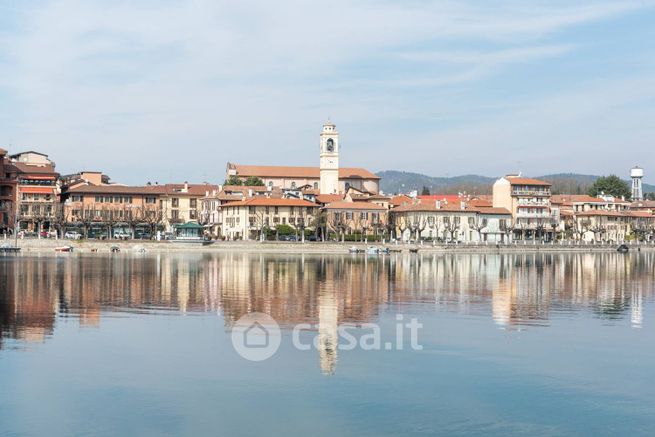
(530, 193)
(543, 215)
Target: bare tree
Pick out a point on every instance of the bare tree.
(451, 226)
(417, 224)
(478, 224)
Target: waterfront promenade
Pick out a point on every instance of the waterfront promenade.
(93, 246)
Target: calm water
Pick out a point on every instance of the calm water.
(512, 344)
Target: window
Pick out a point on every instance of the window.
(251, 209)
(316, 185)
(150, 200)
(284, 220)
(77, 198)
(276, 210)
(193, 203)
(193, 214)
(270, 184)
(175, 202)
(293, 185)
(175, 214)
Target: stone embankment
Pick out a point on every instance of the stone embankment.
(92, 246)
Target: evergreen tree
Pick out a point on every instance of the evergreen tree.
(611, 185)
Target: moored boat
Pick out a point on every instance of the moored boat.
(64, 249)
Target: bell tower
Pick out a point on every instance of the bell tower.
(329, 142)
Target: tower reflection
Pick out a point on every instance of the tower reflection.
(512, 290)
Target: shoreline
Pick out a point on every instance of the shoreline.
(92, 246)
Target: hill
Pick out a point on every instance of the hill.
(402, 182)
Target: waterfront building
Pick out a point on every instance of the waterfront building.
(181, 203)
(103, 210)
(608, 226)
(347, 217)
(37, 193)
(249, 219)
(528, 200)
(637, 174)
(451, 222)
(7, 194)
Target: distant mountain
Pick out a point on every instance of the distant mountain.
(402, 182)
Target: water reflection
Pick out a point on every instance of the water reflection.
(512, 290)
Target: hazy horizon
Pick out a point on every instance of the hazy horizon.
(172, 91)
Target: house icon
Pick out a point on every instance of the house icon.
(256, 336)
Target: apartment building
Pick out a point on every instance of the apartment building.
(181, 203)
(7, 194)
(37, 192)
(609, 226)
(528, 200)
(101, 210)
(350, 217)
(451, 222)
(248, 219)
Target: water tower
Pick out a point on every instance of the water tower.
(637, 191)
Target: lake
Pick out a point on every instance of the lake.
(127, 344)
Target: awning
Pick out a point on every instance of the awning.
(37, 190)
(189, 225)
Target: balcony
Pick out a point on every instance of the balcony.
(535, 215)
(533, 193)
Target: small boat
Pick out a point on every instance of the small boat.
(115, 249)
(354, 249)
(64, 249)
(9, 249)
(623, 249)
(208, 242)
(413, 250)
(372, 250)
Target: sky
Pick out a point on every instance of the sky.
(170, 91)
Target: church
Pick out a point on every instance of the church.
(327, 178)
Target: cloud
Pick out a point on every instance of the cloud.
(189, 85)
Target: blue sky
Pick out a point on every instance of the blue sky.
(172, 90)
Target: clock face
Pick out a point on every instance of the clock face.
(330, 145)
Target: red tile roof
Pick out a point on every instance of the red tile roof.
(113, 189)
(34, 169)
(485, 210)
(177, 189)
(570, 199)
(327, 198)
(290, 172)
(267, 201)
(399, 200)
(355, 205)
(516, 180)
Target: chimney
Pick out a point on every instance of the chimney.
(438, 204)
(462, 205)
(186, 187)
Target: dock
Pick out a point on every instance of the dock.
(9, 249)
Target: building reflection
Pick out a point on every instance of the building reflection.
(514, 290)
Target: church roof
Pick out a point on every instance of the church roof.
(290, 172)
